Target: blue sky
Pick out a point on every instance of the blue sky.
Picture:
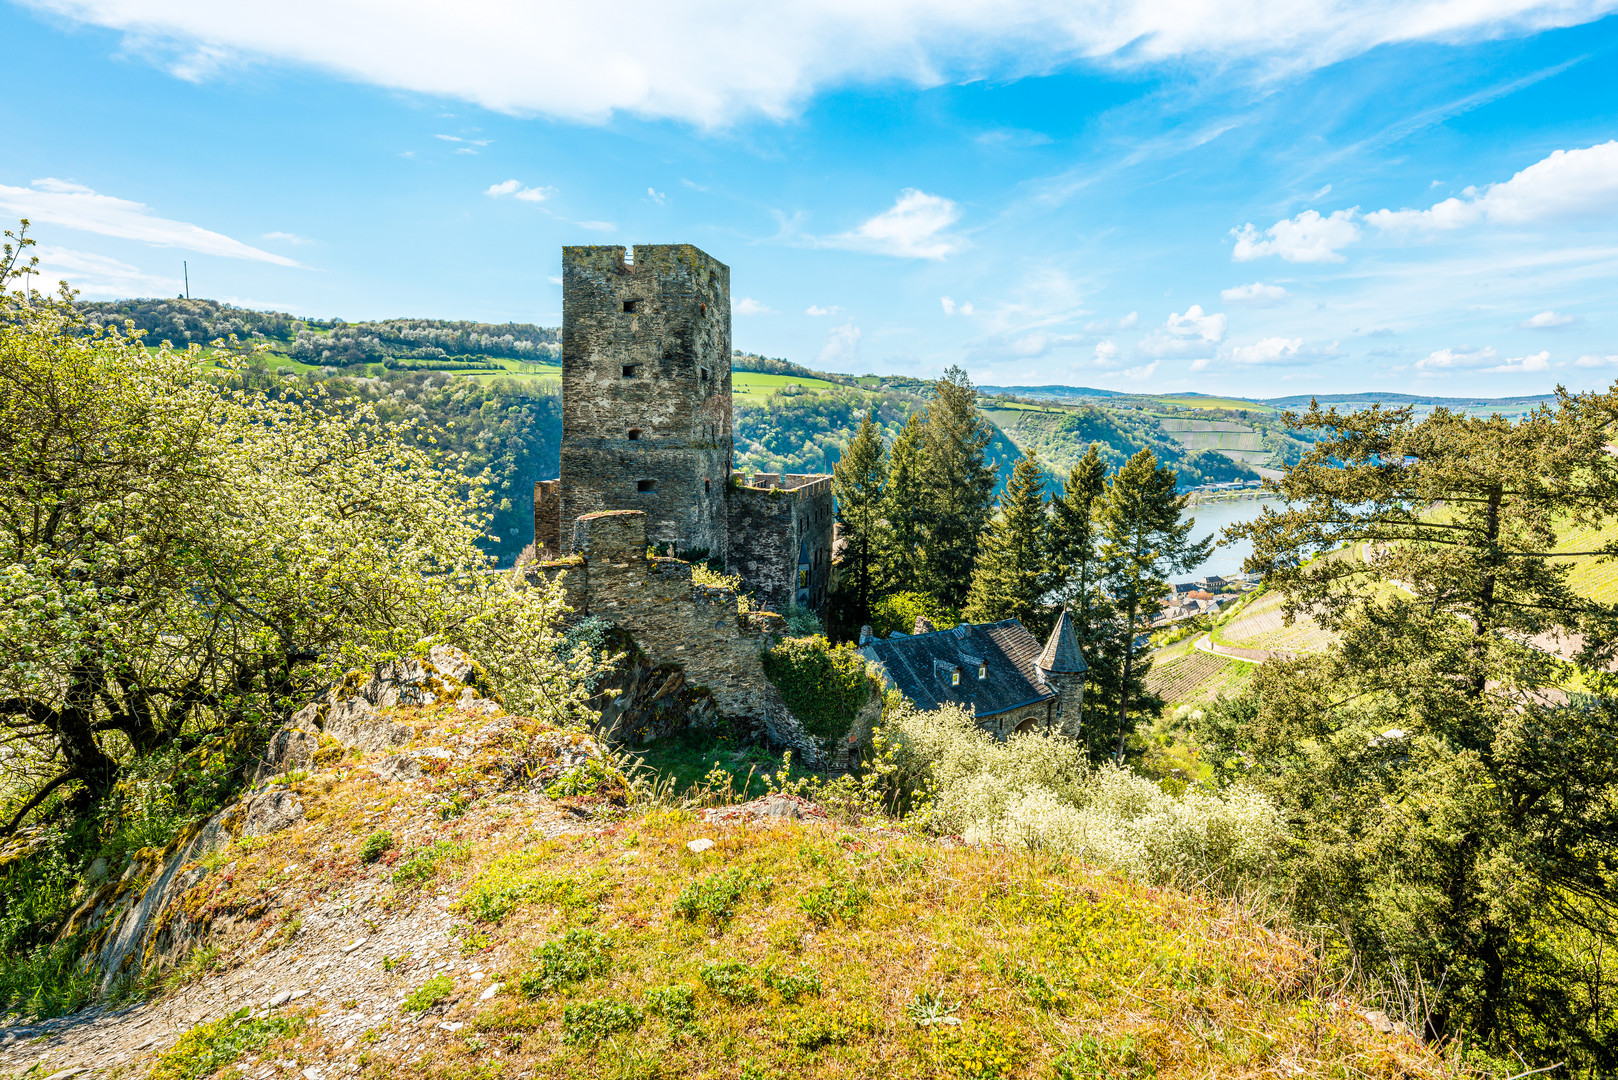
(1259, 198)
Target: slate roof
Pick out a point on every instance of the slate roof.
(1061, 654)
(918, 666)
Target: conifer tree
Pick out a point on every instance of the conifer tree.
(1142, 539)
(861, 477)
(1013, 568)
(904, 508)
(959, 484)
(1073, 542)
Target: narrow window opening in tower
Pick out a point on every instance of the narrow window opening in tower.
(707, 487)
(631, 306)
(631, 371)
(646, 485)
(634, 433)
(704, 374)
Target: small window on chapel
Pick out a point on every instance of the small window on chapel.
(983, 671)
(631, 306)
(646, 485)
(955, 677)
(634, 434)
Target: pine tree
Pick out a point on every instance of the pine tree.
(1072, 540)
(1013, 568)
(904, 508)
(1142, 539)
(860, 478)
(959, 483)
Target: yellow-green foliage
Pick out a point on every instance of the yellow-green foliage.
(962, 962)
(823, 684)
(209, 1047)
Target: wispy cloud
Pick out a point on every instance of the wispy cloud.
(75, 206)
(1547, 320)
(287, 238)
(721, 63)
(656, 196)
(748, 306)
(1257, 294)
(1540, 361)
(842, 346)
(516, 190)
(818, 311)
(598, 226)
(98, 275)
(952, 308)
(914, 227)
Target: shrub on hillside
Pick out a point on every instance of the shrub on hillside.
(823, 684)
(1038, 791)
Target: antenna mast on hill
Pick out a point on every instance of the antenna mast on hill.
(186, 270)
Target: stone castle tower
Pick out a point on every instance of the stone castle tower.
(646, 426)
(646, 394)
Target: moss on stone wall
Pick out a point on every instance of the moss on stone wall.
(824, 685)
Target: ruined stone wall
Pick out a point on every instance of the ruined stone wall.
(646, 416)
(548, 518)
(781, 536)
(675, 621)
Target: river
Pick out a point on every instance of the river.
(1211, 518)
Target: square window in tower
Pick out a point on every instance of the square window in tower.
(631, 306)
(631, 371)
(646, 485)
(634, 434)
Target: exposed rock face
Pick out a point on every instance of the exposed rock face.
(373, 725)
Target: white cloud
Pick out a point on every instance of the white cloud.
(450, 138)
(1195, 324)
(597, 226)
(1540, 361)
(1463, 357)
(1258, 294)
(1546, 320)
(656, 196)
(817, 310)
(842, 346)
(748, 306)
(1568, 184)
(952, 308)
(74, 206)
(1128, 321)
(720, 62)
(287, 238)
(517, 190)
(1270, 350)
(1145, 371)
(912, 228)
(1306, 238)
(1596, 361)
(98, 275)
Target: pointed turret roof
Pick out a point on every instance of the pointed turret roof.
(1062, 655)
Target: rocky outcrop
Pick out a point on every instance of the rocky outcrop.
(393, 724)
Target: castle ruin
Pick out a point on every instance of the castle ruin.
(646, 425)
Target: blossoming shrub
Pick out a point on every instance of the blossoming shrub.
(1038, 791)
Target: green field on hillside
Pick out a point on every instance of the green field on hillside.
(759, 384)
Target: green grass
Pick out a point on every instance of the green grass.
(761, 384)
(681, 762)
(1214, 403)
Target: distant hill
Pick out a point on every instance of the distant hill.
(1459, 404)
(1054, 391)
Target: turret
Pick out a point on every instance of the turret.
(1062, 666)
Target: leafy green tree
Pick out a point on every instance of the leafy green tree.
(958, 484)
(861, 477)
(185, 561)
(904, 508)
(1142, 540)
(1454, 807)
(1073, 541)
(1013, 571)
